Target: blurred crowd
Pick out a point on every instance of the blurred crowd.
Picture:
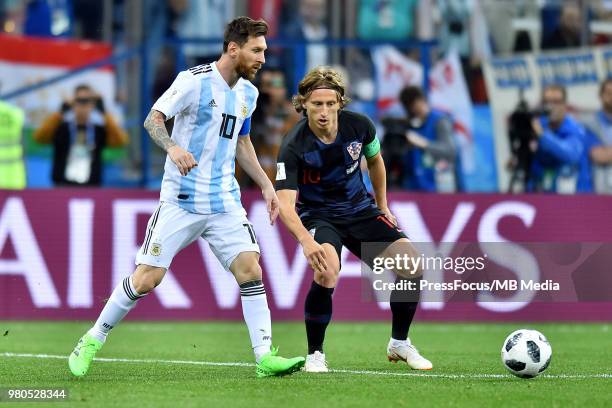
(553, 149)
(476, 29)
(420, 151)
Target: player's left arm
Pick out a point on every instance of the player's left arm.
(378, 176)
(247, 159)
(376, 168)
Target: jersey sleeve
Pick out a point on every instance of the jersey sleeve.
(178, 97)
(246, 127)
(287, 167)
(251, 95)
(370, 142)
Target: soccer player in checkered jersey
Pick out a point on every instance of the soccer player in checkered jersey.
(212, 105)
(320, 158)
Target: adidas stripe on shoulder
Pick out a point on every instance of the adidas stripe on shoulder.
(200, 69)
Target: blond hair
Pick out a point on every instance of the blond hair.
(320, 78)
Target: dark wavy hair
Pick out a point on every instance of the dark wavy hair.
(241, 28)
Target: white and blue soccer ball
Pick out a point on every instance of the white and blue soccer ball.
(526, 353)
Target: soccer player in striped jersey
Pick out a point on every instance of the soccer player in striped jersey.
(212, 105)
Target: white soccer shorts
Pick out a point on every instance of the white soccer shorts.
(172, 228)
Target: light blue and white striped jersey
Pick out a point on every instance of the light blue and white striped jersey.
(209, 118)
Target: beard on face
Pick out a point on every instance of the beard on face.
(245, 71)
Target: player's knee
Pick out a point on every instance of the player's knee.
(251, 271)
(403, 247)
(329, 277)
(246, 267)
(146, 278)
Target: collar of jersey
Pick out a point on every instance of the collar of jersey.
(221, 79)
(315, 139)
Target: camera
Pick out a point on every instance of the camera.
(522, 138)
(395, 146)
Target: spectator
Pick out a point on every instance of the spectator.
(78, 134)
(273, 119)
(430, 163)
(463, 30)
(560, 163)
(567, 33)
(203, 19)
(12, 17)
(599, 128)
(502, 15)
(309, 25)
(88, 19)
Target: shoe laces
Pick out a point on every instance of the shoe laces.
(415, 351)
(407, 344)
(320, 357)
(87, 348)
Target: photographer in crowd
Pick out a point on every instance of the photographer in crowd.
(79, 133)
(599, 129)
(424, 140)
(560, 161)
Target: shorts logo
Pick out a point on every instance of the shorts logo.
(354, 150)
(156, 249)
(280, 172)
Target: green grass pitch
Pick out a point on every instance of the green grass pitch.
(178, 370)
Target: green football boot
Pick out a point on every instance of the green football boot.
(82, 356)
(273, 365)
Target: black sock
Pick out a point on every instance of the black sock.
(317, 314)
(403, 307)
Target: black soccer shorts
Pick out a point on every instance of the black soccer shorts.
(366, 226)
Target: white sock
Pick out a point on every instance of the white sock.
(123, 299)
(400, 342)
(257, 316)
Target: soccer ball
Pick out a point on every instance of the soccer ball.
(526, 353)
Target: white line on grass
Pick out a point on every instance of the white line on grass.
(132, 360)
(359, 372)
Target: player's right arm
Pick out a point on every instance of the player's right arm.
(286, 190)
(154, 123)
(313, 251)
(177, 99)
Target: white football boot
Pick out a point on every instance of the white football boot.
(404, 350)
(315, 363)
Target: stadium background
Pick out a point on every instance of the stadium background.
(62, 250)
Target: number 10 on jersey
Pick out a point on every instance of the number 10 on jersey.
(227, 126)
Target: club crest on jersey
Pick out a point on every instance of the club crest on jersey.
(156, 249)
(354, 150)
(244, 110)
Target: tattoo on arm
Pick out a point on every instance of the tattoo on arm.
(155, 125)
